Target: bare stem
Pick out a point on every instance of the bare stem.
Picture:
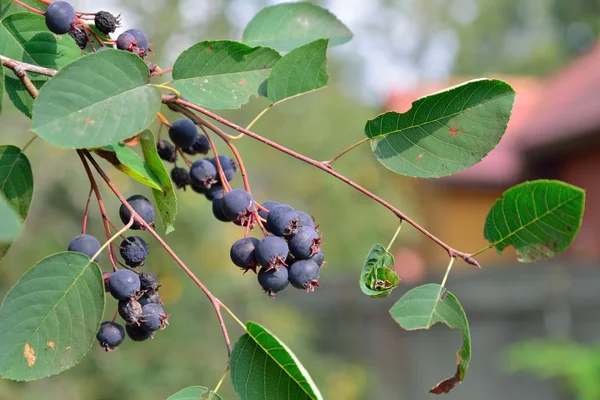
(226, 185)
(355, 145)
(216, 389)
(447, 273)
(395, 236)
(85, 213)
(263, 112)
(17, 66)
(29, 143)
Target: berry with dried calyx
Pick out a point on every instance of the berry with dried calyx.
(80, 37)
(153, 317)
(304, 243)
(200, 146)
(106, 22)
(237, 204)
(130, 310)
(166, 151)
(304, 274)
(134, 251)
(110, 335)
(271, 252)
(180, 177)
(268, 205)
(148, 281)
(242, 253)
(228, 165)
(123, 284)
(151, 296)
(282, 220)
(203, 174)
(273, 280)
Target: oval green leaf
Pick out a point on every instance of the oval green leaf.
(301, 71)
(100, 99)
(16, 185)
(195, 393)
(445, 132)
(165, 198)
(130, 163)
(539, 218)
(19, 96)
(223, 74)
(289, 25)
(11, 223)
(377, 279)
(262, 367)
(49, 319)
(8, 7)
(423, 307)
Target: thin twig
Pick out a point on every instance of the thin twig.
(18, 65)
(85, 213)
(222, 177)
(341, 153)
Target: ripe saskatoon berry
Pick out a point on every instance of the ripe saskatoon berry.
(60, 15)
(282, 220)
(273, 280)
(305, 220)
(134, 251)
(126, 41)
(142, 206)
(130, 310)
(214, 192)
(227, 164)
(242, 253)
(200, 146)
(110, 335)
(123, 284)
(150, 296)
(140, 38)
(153, 317)
(271, 252)
(304, 274)
(148, 281)
(218, 211)
(318, 258)
(180, 177)
(79, 36)
(137, 334)
(203, 174)
(268, 205)
(304, 243)
(237, 204)
(166, 150)
(183, 132)
(106, 22)
(86, 244)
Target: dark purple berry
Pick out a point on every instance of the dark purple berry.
(106, 22)
(214, 192)
(183, 132)
(200, 146)
(282, 220)
(227, 164)
(134, 251)
(242, 253)
(80, 37)
(304, 243)
(150, 296)
(237, 204)
(166, 150)
(271, 252)
(137, 334)
(218, 211)
(275, 213)
(180, 177)
(142, 206)
(318, 258)
(148, 281)
(110, 335)
(305, 220)
(123, 284)
(140, 38)
(203, 174)
(130, 310)
(153, 317)
(86, 244)
(126, 41)
(268, 205)
(60, 16)
(273, 280)
(304, 274)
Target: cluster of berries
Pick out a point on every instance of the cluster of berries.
(203, 176)
(292, 254)
(139, 302)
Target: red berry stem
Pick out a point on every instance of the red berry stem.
(85, 213)
(226, 185)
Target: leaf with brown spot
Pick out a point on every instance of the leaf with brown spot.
(51, 344)
(29, 355)
(423, 307)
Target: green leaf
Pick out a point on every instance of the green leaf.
(262, 367)
(49, 319)
(445, 132)
(222, 74)
(19, 96)
(130, 163)
(423, 307)
(195, 393)
(300, 71)
(377, 279)
(16, 186)
(289, 25)
(539, 218)
(165, 198)
(8, 7)
(11, 223)
(100, 99)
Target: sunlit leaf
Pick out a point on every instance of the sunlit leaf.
(130, 163)
(11, 223)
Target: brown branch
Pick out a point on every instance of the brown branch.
(18, 65)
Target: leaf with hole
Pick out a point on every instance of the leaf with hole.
(165, 197)
(539, 218)
(423, 307)
(100, 99)
(50, 317)
(8, 7)
(223, 74)
(195, 393)
(289, 25)
(377, 279)
(302, 70)
(126, 160)
(16, 185)
(445, 132)
(262, 367)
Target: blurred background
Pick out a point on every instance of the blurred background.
(534, 327)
